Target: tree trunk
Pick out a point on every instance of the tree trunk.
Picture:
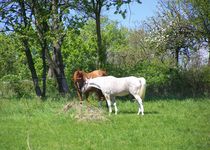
(58, 66)
(59, 70)
(28, 52)
(55, 63)
(44, 72)
(32, 68)
(209, 51)
(100, 49)
(177, 57)
(99, 42)
(42, 28)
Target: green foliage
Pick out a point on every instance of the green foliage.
(14, 72)
(114, 37)
(79, 51)
(12, 60)
(13, 86)
(198, 13)
(164, 80)
(193, 82)
(52, 88)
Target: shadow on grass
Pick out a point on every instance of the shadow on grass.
(135, 112)
(151, 112)
(150, 99)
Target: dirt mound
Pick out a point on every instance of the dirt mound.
(85, 112)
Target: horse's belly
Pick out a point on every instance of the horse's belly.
(122, 93)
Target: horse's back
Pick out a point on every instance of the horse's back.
(117, 81)
(96, 73)
(103, 79)
(136, 80)
(114, 83)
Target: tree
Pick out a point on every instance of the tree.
(198, 13)
(191, 22)
(82, 45)
(93, 9)
(50, 30)
(14, 16)
(41, 20)
(173, 31)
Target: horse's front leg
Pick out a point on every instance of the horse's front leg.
(100, 97)
(108, 103)
(114, 104)
(79, 94)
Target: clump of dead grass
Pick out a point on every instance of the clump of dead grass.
(85, 112)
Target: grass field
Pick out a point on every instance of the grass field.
(167, 124)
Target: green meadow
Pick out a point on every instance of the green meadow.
(43, 125)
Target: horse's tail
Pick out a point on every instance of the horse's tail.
(143, 87)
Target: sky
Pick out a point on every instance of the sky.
(136, 13)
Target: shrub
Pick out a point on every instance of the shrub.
(194, 82)
(13, 86)
(165, 81)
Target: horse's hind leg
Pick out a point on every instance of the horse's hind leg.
(141, 107)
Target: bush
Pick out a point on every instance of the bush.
(168, 82)
(13, 86)
(192, 83)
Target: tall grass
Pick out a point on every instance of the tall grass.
(167, 124)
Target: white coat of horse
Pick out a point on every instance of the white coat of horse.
(112, 86)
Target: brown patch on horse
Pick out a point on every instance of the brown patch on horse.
(96, 73)
(79, 78)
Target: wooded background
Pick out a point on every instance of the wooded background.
(42, 43)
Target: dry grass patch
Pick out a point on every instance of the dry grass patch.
(85, 112)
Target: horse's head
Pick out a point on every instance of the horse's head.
(85, 86)
(79, 79)
(89, 84)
